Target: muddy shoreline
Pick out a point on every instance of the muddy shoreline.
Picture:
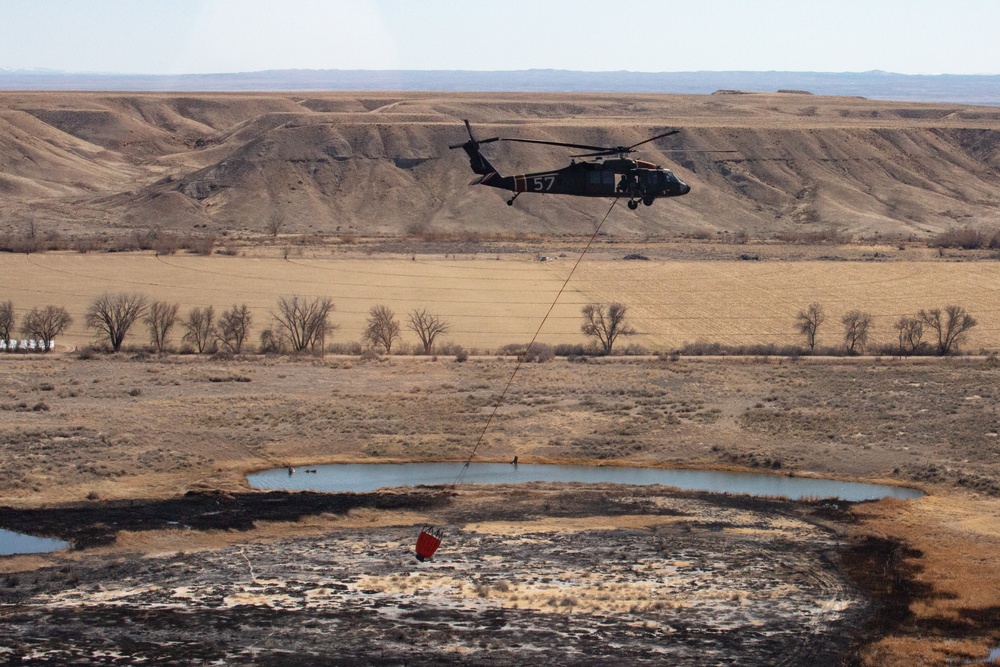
(650, 576)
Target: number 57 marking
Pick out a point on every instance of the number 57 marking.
(543, 183)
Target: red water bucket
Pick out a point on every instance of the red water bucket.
(427, 544)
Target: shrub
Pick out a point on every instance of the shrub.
(568, 350)
(85, 244)
(966, 238)
(199, 245)
(539, 352)
(351, 348)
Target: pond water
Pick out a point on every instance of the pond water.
(363, 477)
(17, 543)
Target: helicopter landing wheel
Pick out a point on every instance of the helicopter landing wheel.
(648, 201)
(633, 204)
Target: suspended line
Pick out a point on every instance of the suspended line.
(521, 359)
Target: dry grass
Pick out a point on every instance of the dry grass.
(931, 422)
(958, 538)
(492, 303)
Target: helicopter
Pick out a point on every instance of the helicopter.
(618, 176)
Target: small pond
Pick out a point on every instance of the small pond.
(17, 543)
(363, 477)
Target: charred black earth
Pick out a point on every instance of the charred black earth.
(543, 573)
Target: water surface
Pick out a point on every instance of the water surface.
(363, 477)
(18, 543)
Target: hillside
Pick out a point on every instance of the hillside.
(379, 164)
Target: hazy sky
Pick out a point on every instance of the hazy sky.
(201, 36)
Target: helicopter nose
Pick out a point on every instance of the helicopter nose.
(685, 188)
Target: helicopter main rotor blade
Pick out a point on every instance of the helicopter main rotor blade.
(600, 150)
(659, 136)
(609, 151)
(556, 143)
(477, 141)
(623, 150)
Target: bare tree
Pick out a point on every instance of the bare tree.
(606, 325)
(382, 329)
(304, 323)
(427, 327)
(857, 327)
(808, 321)
(234, 327)
(7, 320)
(910, 331)
(160, 318)
(270, 343)
(275, 223)
(951, 326)
(45, 324)
(114, 314)
(199, 328)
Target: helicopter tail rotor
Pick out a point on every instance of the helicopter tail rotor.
(472, 139)
(480, 164)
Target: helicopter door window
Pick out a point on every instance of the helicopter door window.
(594, 178)
(608, 178)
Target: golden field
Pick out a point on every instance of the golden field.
(491, 300)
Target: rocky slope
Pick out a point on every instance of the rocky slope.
(379, 164)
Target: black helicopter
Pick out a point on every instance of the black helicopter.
(617, 177)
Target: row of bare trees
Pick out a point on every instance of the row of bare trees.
(383, 329)
(949, 328)
(40, 326)
(298, 324)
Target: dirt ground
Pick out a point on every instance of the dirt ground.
(141, 463)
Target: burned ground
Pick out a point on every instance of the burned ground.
(656, 576)
(106, 462)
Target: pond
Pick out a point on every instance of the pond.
(17, 543)
(363, 477)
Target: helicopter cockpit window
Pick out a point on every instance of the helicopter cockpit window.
(601, 178)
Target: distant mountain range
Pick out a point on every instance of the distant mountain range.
(952, 88)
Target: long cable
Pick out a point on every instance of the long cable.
(521, 359)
